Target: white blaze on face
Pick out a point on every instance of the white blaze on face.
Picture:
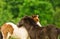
(38, 21)
(39, 24)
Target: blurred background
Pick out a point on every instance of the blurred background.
(14, 10)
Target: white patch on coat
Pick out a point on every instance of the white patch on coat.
(39, 24)
(21, 32)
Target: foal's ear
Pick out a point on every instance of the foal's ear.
(33, 16)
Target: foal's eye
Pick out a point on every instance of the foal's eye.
(38, 16)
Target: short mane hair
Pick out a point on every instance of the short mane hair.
(27, 20)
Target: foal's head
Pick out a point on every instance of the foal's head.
(36, 19)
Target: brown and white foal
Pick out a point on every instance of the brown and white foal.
(10, 29)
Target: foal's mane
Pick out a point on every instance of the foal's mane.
(27, 20)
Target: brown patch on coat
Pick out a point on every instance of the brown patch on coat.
(7, 28)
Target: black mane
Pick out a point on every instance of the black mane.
(27, 20)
